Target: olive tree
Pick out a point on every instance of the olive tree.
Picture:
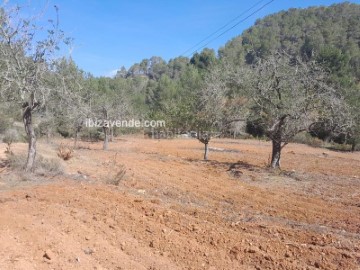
(25, 61)
(287, 96)
(109, 105)
(220, 103)
(73, 97)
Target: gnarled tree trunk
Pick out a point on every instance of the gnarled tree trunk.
(205, 139)
(105, 129)
(353, 146)
(206, 151)
(106, 138)
(276, 154)
(111, 134)
(76, 139)
(30, 132)
(276, 135)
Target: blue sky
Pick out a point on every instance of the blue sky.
(109, 34)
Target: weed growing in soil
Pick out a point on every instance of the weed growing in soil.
(117, 172)
(65, 152)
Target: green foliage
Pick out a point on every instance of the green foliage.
(327, 34)
(4, 125)
(63, 128)
(204, 60)
(91, 134)
(306, 138)
(11, 136)
(255, 127)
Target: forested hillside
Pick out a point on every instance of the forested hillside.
(330, 35)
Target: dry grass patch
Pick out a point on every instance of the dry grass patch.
(65, 152)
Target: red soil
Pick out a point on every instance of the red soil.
(174, 211)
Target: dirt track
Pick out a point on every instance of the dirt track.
(174, 211)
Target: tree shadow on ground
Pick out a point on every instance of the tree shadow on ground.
(233, 168)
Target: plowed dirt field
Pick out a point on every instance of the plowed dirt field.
(171, 210)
